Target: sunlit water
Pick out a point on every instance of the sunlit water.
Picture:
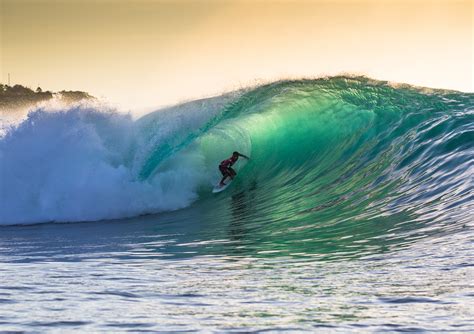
(150, 275)
(354, 213)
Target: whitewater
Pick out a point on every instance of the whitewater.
(358, 197)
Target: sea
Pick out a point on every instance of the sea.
(354, 213)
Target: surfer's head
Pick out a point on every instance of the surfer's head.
(235, 154)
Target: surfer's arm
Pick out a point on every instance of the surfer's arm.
(244, 156)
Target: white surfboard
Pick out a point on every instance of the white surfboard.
(218, 188)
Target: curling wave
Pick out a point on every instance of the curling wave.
(338, 161)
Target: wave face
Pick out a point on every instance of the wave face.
(339, 160)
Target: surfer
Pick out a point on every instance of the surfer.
(226, 167)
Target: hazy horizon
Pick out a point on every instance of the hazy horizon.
(150, 53)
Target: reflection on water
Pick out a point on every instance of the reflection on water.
(241, 209)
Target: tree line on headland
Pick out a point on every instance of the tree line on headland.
(18, 96)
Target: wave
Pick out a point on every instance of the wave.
(333, 152)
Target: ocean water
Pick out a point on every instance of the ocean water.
(354, 213)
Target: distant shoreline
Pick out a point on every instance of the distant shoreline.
(18, 96)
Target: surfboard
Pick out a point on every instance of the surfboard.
(218, 188)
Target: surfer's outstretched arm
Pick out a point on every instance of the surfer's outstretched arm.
(243, 156)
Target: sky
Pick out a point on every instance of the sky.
(146, 53)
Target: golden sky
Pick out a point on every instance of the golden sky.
(150, 53)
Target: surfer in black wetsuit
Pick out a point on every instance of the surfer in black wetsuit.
(226, 167)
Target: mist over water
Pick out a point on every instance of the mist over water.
(352, 184)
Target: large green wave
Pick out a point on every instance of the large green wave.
(339, 167)
(347, 164)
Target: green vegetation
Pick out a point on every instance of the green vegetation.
(18, 96)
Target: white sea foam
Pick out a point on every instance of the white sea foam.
(79, 164)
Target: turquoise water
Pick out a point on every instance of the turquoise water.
(353, 213)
